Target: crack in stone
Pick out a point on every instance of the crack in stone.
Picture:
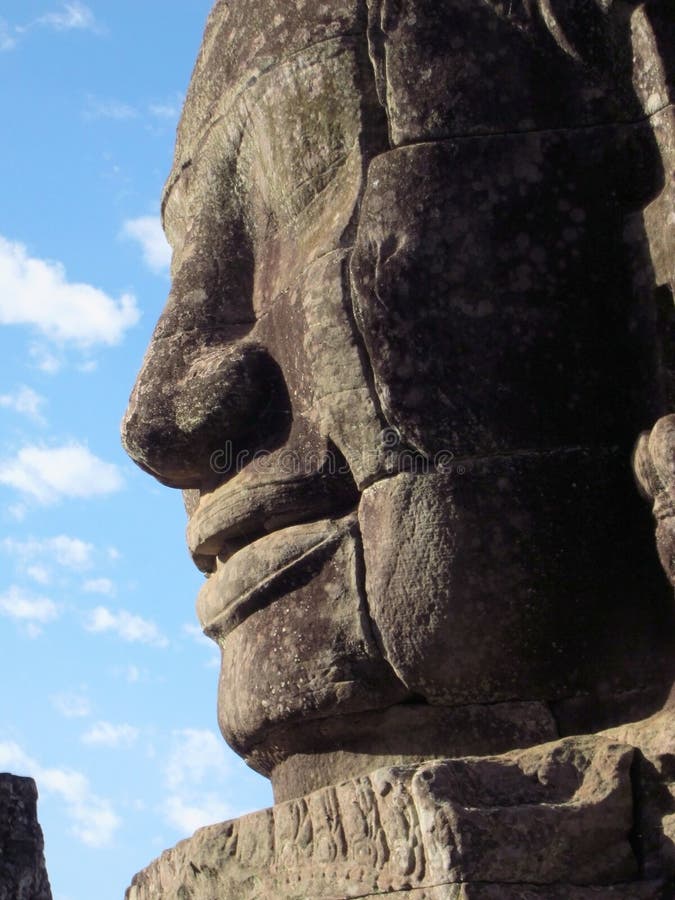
(571, 129)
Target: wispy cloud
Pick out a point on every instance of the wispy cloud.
(195, 768)
(131, 628)
(195, 754)
(39, 574)
(7, 39)
(187, 816)
(167, 109)
(71, 16)
(103, 586)
(147, 232)
(129, 673)
(71, 705)
(28, 610)
(69, 552)
(93, 818)
(97, 108)
(36, 293)
(25, 401)
(51, 474)
(105, 734)
(45, 359)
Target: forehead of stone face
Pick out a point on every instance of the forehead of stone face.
(242, 41)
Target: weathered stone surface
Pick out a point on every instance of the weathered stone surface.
(655, 890)
(272, 191)
(659, 221)
(487, 272)
(275, 670)
(552, 816)
(242, 43)
(23, 875)
(421, 298)
(654, 464)
(543, 66)
(403, 733)
(654, 780)
(318, 347)
(653, 40)
(477, 590)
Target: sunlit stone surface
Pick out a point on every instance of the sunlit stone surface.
(420, 315)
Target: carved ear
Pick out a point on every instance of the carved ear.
(662, 451)
(643, 468)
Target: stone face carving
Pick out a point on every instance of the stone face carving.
(422, 274)
(23, 875)
(396, 297)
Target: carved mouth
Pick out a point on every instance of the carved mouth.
(265, 569)
(259, 501)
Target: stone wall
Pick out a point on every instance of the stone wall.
(575, 819)
(23, 875)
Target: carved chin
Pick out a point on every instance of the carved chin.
(306, 653)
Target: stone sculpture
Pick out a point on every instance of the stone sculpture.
(422, 286)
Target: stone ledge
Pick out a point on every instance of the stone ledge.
(552, 821)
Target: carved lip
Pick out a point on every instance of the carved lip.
(265, 569)
(252, 504)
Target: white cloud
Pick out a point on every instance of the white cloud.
(17, 511)
(50, 474)
(147, 231)
(168, 109)
(131, 674)
(125, 625)
(25, 401)
(102, 586)
(38, 573)
(196, 754)
(44, 360)
(71, 705)
(28, 609)
(93, 819)
(7, 41)
(197, 758)
(69, 552)
(104, 734)
(188, 816)
(96, 108)
(72, 16)
(36, 293)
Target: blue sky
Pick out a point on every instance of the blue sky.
(109, 689)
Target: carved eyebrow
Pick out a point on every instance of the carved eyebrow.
(172, 181)
(196, 149)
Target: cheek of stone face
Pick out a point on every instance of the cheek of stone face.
(516, 578)
(311, 335)
(308, 655)
(494, 292)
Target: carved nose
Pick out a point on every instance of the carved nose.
(177, 420)
(205, 386)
